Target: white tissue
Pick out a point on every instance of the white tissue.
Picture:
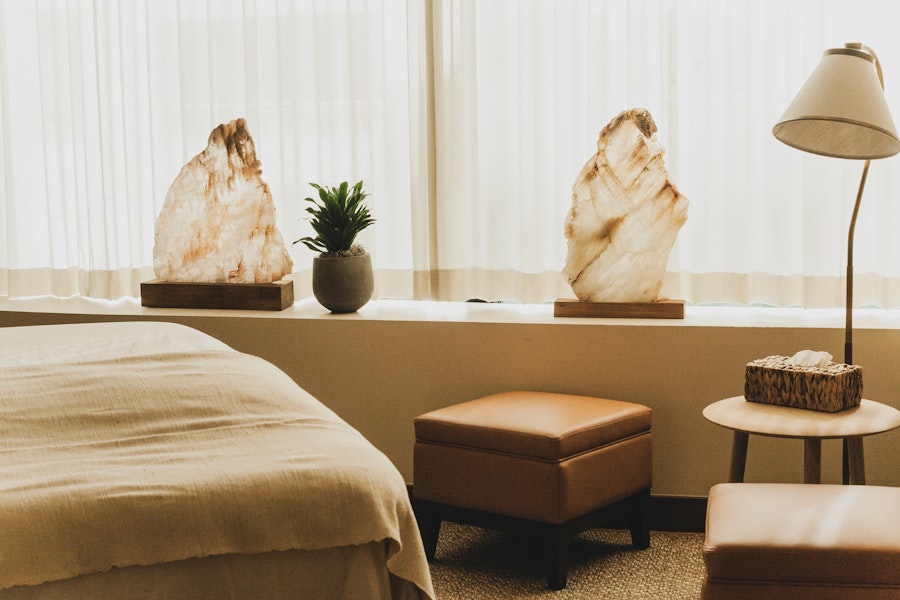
(810, 358)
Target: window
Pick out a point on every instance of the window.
(468, 121)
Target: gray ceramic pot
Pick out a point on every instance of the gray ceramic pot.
(343, 284)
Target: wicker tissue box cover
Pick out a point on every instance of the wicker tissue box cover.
(773, 380)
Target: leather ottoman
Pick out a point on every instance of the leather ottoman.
(797, 541)
(555, 464)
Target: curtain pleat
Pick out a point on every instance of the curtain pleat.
(766, 225)
(468, 122)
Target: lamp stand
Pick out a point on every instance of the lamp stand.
(825, 118)
(848, 329)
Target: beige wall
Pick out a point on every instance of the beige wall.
(378, 371)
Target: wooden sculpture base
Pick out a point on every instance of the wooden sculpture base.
(247, 296)
(661, 309)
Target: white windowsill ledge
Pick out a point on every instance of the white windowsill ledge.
(476, 312)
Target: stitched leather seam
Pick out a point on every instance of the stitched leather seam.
(529, 457)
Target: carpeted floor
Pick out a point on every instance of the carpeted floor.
(476, 564)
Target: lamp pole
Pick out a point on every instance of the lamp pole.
(848, 329)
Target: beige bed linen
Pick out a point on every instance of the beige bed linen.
(342, 573)
(121, 445)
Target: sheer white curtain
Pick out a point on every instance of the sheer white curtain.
(524, 87)
(103, 102)
(769, 223)
(468, 120)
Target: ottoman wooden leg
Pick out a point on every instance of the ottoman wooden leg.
(556, 552)
(639, 521)
(429, 520)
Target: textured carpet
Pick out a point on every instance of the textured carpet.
(475, 564)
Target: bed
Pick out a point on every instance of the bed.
(149, 460)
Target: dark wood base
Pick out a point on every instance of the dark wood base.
(632, 513)
(278, 295)
(661, 309)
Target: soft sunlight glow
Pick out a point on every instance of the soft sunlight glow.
(468, 124)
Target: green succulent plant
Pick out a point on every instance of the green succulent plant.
(338, 215)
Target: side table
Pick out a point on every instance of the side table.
(851, 425)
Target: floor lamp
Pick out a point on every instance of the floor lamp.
(841, 112)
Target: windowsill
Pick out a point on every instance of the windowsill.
(476, 312)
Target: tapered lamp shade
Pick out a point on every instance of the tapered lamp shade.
(841, 111)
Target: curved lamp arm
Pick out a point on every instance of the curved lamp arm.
(848, 329)
(825, 119)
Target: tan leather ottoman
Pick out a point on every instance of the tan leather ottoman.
(556, 463)
(797, 541)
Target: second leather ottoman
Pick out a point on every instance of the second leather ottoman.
(558, 464)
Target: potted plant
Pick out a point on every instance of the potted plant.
(342, 272)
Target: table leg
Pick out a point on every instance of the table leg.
(812, 460)
(845, 462)
(738, 456)
(856, 460)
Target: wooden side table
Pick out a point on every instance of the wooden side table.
(746, 418)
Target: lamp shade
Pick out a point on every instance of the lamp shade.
(841, 111)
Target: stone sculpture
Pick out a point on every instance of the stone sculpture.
(217, 224)
(625, 215)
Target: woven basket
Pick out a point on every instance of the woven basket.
(772, 380)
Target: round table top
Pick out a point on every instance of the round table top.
(781, 421)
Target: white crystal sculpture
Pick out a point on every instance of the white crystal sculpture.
(625, 215)
(217, 224)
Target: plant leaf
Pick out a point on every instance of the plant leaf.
(337, 217)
